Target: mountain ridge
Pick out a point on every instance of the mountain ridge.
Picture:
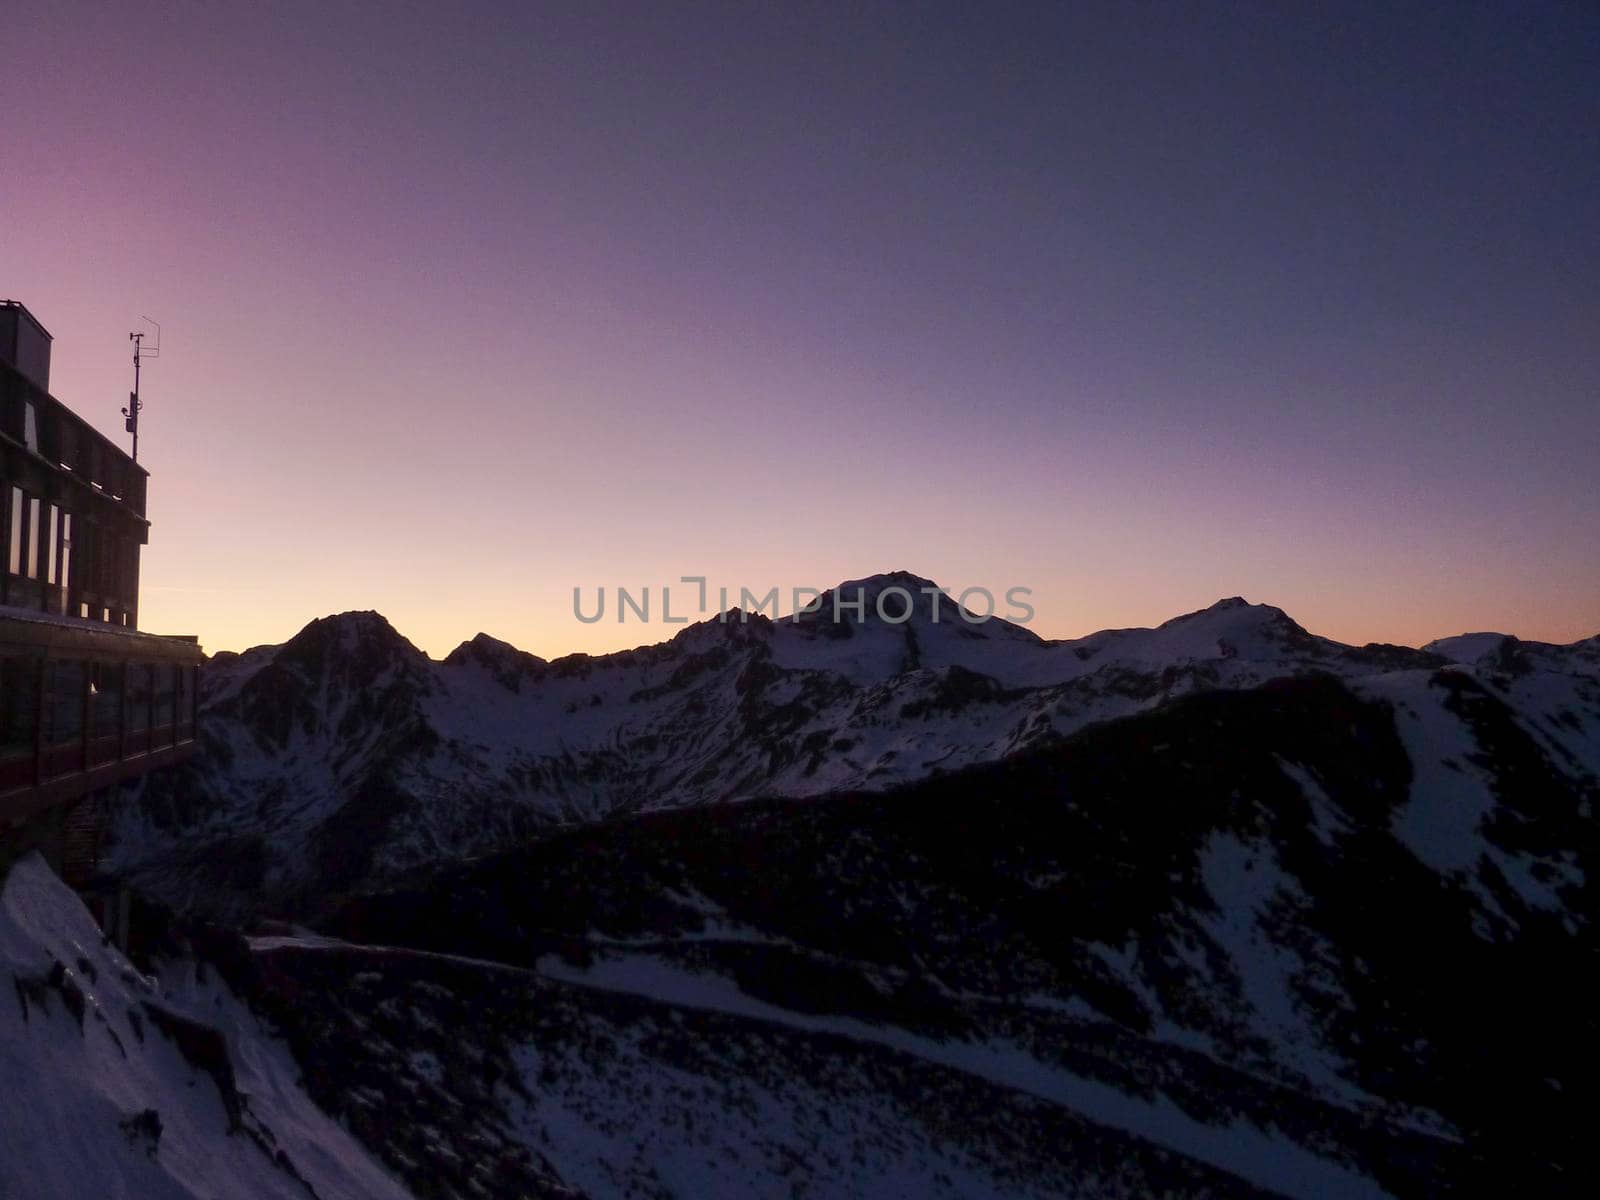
(347, 754)
(483, 642)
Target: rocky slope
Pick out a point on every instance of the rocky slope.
(162, 1086)
(1223, 930)
(1252, 942)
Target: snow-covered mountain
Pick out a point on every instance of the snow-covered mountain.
(346, 756)
(157, 1086)
(1325, 937)
(1220, 908)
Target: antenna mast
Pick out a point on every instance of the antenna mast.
(135, 405)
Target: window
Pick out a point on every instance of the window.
(51, 532)
(19, 504)
(105, 699)
(127, 568)
(19, 705)
(105, 554)
(32, 552)
(64, 703)
(138, 693)
(185, 695)
(30, 425)
(164, 691)
(66, 558)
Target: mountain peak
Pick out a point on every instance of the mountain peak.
(501, 659)
(1235, 624)
(363, 639)
(1231, 608)
(482, 646)
(350, 629)
(873, 585)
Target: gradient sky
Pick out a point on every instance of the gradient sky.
(1137, 305)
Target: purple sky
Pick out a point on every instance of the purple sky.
(1136, 306)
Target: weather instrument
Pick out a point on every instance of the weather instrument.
(140, 350)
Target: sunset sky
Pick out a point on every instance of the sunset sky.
(1135, 305)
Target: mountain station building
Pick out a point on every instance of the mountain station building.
(87, 700)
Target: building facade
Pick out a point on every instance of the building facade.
(87, 700)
